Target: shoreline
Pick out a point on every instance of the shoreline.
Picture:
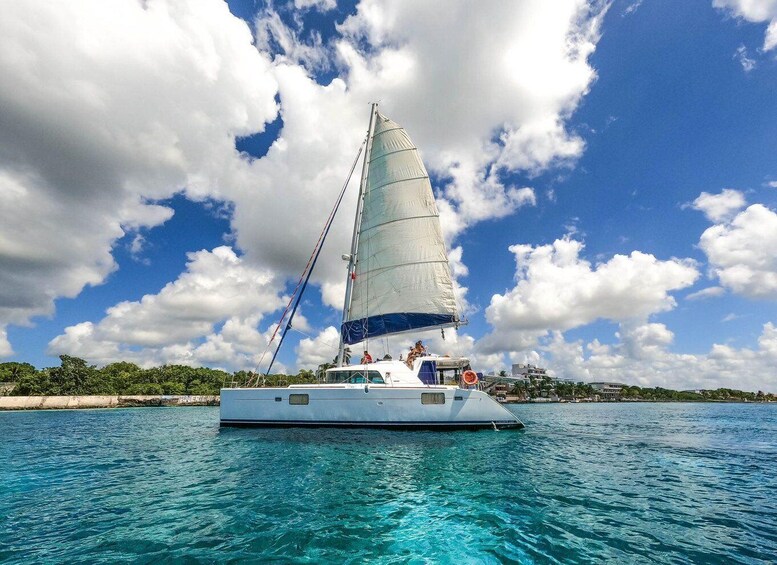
(13, 403)
(641, 401)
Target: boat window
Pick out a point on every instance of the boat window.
(354, 377)
(375, 377)
(432, 398)
(299, 399)
(336, 376)
(428, 373)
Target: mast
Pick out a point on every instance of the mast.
(356, 225)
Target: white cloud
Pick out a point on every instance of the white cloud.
(748, 64)
(741, 252)
(5, 346)
(178, 324)
(718, 207)
(460, 76)
(274, 36)
(631, 8)
(107, 104)
(558, 290)
(705, 293)
(323, 348)
(772, 184)
(642, 357)
(757, 11)
(322, 125)
(320, 5)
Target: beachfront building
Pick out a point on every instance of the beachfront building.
(608, 391)
(529, 372)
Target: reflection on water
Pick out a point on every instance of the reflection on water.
(661, 483)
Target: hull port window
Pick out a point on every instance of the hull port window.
(432, 398)
(299, 399)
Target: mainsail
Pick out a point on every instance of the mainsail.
(401, 279)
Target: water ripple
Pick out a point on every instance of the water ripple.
(645, 483)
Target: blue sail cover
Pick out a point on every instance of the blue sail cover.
(401, 280)
(358, 330)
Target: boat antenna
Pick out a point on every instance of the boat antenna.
(305, 277)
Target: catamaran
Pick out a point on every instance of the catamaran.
(398, 281)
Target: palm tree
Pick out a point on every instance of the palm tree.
(346, 357)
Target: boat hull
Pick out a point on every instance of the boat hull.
(364, 407)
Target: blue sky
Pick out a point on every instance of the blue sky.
(164, 173)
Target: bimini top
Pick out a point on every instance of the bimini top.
(402, 279)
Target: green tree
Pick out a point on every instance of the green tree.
(74, 377)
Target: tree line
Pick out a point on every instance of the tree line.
(75, 376)
(571, 391)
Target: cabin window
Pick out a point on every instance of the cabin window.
(299, 399)
(458, 398)
(375, 377)
(354, 377)
(432, 398)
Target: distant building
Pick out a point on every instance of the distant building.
(529, 372)
(608, 391)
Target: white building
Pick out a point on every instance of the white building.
(608, 391)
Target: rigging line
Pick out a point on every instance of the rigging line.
(311, 261)
(316, 254)
(329, 343)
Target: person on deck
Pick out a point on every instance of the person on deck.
(411, 355)
(367, 358)
(416, 351)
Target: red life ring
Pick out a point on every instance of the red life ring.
(470, 377)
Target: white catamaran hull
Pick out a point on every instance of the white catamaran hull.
(364, 406)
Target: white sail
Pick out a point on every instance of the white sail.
(402, 276)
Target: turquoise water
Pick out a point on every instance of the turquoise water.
(620, 483)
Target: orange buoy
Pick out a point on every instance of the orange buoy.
(470, 377)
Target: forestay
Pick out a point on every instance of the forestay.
(402, 276)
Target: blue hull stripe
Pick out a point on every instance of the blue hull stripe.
(374, 326)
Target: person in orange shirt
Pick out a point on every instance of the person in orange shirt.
(367, 358)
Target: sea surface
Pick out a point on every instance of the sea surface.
(584, 483)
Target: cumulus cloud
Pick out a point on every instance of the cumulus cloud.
(642, 356)
(404, 56)
(718, 207)
(105, 106)
(757, 11)
(178, 324)
(491, 97)
(323, 348)
(741, 252)
(108, 107)
(5, 346)
(558, 290)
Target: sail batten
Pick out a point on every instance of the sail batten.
(401, 280)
